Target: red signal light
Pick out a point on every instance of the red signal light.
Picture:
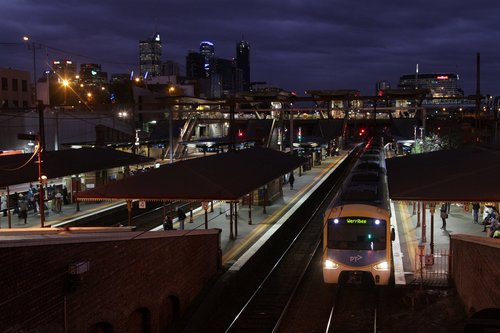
(240, 133)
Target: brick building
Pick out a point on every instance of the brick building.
(103, 282)
(15, 89)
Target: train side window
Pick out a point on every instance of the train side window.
(393, 234)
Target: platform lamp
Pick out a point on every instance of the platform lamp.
(42, 179)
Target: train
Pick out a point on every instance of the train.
(357, 233)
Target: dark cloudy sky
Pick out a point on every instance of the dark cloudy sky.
(295, 44)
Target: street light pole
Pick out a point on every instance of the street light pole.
(39, 106)
(41, 177)
(41, 180)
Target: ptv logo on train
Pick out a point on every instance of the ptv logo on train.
(355, 258)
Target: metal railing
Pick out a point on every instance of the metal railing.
(432, 270)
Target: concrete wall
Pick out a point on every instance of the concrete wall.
(475, 270)
(135, 280)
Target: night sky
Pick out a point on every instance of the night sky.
(295, 44)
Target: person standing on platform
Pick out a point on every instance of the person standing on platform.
(291, 180)
(23, 209)
(65, 195)
(181, 216)
(31, 199)
(3, 204)
(444, 215)
(58, 199)
(15, 200)
(167, 224)
(475, 212)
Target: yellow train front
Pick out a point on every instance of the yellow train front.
(357, 231)
(357, 245)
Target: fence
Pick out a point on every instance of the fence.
(432, 270)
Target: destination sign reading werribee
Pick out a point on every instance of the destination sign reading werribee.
(357, 221)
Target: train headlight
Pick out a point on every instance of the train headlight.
(331, 264)
(382, 266)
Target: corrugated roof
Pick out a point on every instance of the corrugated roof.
(63, 163)
(227, 176)
(470, 174)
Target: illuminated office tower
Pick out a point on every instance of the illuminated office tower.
(150, 56)
(439, 84)
(207, 50)
(64, 69)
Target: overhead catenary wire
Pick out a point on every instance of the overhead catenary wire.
(26, 163)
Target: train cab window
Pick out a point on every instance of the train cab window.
(356, 236)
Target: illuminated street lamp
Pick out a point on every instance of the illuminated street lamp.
(123, 114)
(65, 84)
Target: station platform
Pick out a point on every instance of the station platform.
(409, 247)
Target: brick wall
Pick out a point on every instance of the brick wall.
(136, 281)
(475, 270)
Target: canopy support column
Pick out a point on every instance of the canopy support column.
(250, 197)
(432, 209)
(231, 233)
(9, 216)
(129, 212)
(265, 200)
(418, 214)
(163, 212)
(424, 231)
(235, 219)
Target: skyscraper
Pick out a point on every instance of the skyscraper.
(207, 50)
(194, 65)
(150, 56)
(440, 84)
(64, 69)
(92, 75)
(170, 68)
(243, 62)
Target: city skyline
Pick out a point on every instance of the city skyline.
(295, 45)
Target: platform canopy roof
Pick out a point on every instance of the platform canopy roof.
(23, 168)
(469, 174)
(227, 176)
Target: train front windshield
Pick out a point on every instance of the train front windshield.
(357, 233)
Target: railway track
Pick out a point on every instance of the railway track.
(354, 310)
(143, 219)
(255, 298)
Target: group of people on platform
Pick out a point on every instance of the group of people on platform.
(22, 203)
(168, 223)
(490, 221)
